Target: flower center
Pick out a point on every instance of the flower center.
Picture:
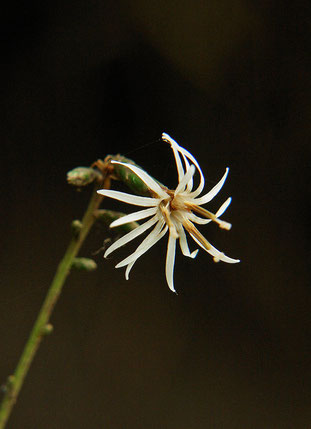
(177, 202)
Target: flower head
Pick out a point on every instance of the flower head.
(173, 211)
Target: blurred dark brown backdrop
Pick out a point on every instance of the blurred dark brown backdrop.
(229, 81)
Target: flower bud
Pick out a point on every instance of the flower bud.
(84, 264)
(8, 385)
(76, 226)
(47, 329)
(81, 176)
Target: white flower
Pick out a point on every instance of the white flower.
(172, 211)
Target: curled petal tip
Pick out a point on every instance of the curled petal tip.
(194, 253)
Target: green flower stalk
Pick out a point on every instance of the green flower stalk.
(42, 325)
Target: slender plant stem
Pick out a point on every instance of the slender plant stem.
(41, 326)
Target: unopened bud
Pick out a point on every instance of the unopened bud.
(82, 176)
(84, 264)
(8, 385)
(47, 329)
(76, 226)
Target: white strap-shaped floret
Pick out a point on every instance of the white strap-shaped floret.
(202, 221)
(190, 182)
(152, 238)
(146, 244)
(218, 256)
(174, 146)
(185, 180)
(131, 235)
(187, 165)
(148, 180)
(196, 219)
(130, 198)
(223, 207)
(170, 262)
(213, 192)
(178, 149)
(184, 243)
(133, 217)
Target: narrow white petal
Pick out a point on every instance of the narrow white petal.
(202, 181)
(170, 261)
(184, 244)
(228, 260)
(188, 155)
(144, 247)
(200, 187)
(179, 166)
(158, 231)
(223, 207)
(211, 251)
(148, 180)
(213, 192)
(154, 236)
(188, 176)
(131, 235)
(196, 219)
(129, 198)
(187, 166)
(217, 255)
(190, 182)
(174, 146)
(142, 214)
(128, 269)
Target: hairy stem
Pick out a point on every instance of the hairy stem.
(41, 326)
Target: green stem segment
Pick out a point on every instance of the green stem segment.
(15, 381)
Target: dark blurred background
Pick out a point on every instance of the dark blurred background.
(230, 81)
